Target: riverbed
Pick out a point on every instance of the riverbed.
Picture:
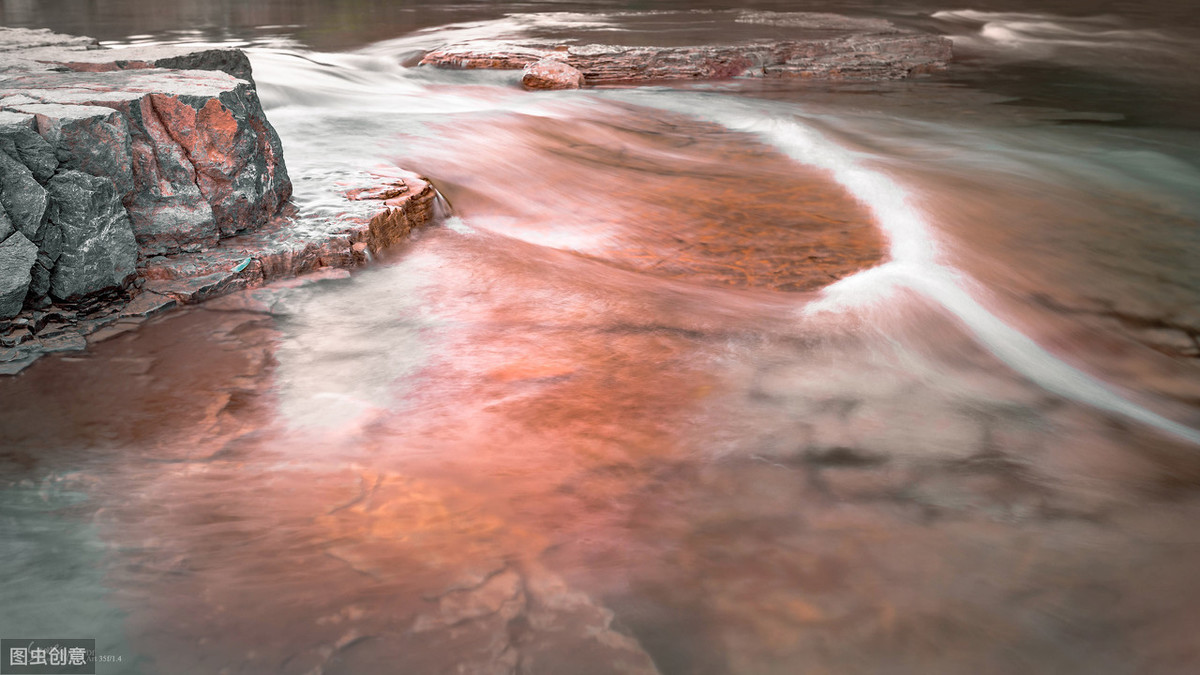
(737, 377)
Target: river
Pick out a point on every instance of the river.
(738, 377)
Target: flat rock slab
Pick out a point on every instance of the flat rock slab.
(33, 50)
(377, 218)
(834, 48)
(386, 215)
(134, 180)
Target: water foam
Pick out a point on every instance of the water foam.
(1040, 35)
(915, 263)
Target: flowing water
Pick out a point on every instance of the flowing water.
(730, 377)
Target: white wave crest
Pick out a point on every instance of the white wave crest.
(914, 262)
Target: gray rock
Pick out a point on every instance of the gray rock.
(6, 224)
(178, 130)
(22, 197)
(64, 342)
(50, 241)
(19, 362)
(20, 140)
(92, 139)
(39, 279)
(17, 255)
(16, 336)
(205, 161)
(99, 250)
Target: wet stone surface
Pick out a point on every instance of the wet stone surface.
(829, 46)
(669, 494)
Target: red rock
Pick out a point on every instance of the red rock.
(93, 139)
(381, 192)
(551, 73)
(194, 165)
(190, 151)
(871, 50)
(278, 251)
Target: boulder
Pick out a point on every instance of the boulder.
(17, 255)
(551, 73)
(204, 162)
(227, 141)
(156, 162)
(178, 130)
(827, 47)
(98, 249)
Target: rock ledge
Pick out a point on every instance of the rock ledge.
(133, 180)
(840, 48)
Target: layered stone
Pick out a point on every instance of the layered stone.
(378, 217)
(108, 155)
(33, 50)
(202, 160)
(388, 215)
(845, 50)
(133, 180)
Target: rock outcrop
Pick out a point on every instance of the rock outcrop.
(136, 179)
(859, 50)
(386, 216)
(108, 156)
(376, 218)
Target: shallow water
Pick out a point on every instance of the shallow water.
(737, 377)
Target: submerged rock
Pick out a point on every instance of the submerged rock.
(551, 73)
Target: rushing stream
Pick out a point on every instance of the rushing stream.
(744, 377)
